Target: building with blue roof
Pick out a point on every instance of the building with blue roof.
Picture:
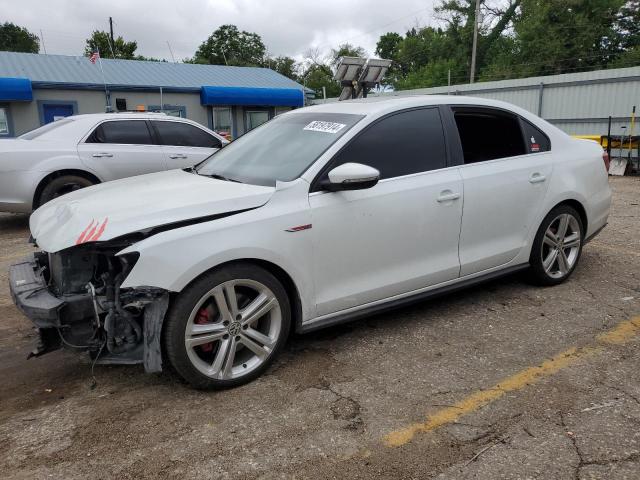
(36, 89)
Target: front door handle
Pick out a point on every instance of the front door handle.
(177, 155)
(448, 196)
(102, 154)
(537, 178)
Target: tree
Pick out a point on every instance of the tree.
(286, 66)
(101, 41)
(346, 50)
(229, 46)
(319, 75)
(14, 38)
(388, 47)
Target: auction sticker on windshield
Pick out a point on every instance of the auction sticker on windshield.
(326, 127)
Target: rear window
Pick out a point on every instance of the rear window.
(488, 134)
(124, 132)
(184, 135)
(46, 129)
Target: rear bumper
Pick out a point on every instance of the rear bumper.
(31, 294)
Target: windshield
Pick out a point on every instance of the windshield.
(281, 149)
(45, 129)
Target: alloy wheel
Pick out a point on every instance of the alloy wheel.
(233, 329)
(561, 245)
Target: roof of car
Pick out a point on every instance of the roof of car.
(373, 105)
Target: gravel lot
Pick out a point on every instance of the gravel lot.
(444, 389)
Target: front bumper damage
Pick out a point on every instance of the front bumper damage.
(86, 320)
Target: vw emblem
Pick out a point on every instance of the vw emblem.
(234, 328)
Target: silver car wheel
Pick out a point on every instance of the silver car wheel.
(233, 329)
(561, 245)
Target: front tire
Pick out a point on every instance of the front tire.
(557, 246)
(226, 328)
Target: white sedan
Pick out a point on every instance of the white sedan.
(320, 216)
(83, 150)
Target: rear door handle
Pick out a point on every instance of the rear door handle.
(537, 178)
(177, 155)
(103, 154)
(448, 196)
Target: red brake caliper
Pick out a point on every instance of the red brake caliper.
(202, 318)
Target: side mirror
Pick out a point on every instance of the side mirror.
(351, 176)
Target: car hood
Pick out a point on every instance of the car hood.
(113, 209)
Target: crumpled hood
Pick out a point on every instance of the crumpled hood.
(112, 209)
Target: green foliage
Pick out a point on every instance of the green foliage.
(346, 50)
(14, 38)
(230, 46)
(101, 41)
(320, 75)
(516, 38)
(286, 66)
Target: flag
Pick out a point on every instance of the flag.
(94, 56)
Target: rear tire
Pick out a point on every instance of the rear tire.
(557, 246)
(62, 185)
(227, 327)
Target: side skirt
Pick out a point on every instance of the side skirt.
(410, 299)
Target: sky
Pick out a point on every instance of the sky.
(287, 27)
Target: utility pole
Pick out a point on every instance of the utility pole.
(476, 20)
(111, 30)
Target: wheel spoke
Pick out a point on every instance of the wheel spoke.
(201, 328)
(202, 339)
(572, 240)
(550, 238)
(232, 301)
(563, 263)
(231, 356)
(260, 352)
(548, 262)
(259, 337)
(562, 226)
(221, 303)
(262, 304)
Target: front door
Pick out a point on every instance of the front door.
(398, 236)
(54, 111)
(121, 148)
(505, 180)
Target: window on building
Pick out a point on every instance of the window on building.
(401, 144)
(184, 135)
(4, 121)
(222, 122)
(127, 132)
(488, 134)
(171, 110)
(256, 118)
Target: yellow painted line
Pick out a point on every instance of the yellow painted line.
(622, 333)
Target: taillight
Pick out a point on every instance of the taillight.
(605, 158)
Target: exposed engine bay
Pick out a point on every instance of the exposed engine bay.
(75, 299)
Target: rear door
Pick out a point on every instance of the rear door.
(401, 234)
(184, 144)
(121, 148)
(506, 175)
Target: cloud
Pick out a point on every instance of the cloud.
(287, 27)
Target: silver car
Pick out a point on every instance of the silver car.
(83, 150)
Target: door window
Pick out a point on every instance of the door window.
(126, 132)
(257, 118)
(401, 144)
(488, 134)
(184, 135)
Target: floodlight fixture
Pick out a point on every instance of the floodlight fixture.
(374, 71)
(349, 68)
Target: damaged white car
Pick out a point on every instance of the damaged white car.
(320, 216)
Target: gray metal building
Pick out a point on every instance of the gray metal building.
(36, 89)
(578, 103)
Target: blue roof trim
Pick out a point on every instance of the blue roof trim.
(272, 97)
(15, 89)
